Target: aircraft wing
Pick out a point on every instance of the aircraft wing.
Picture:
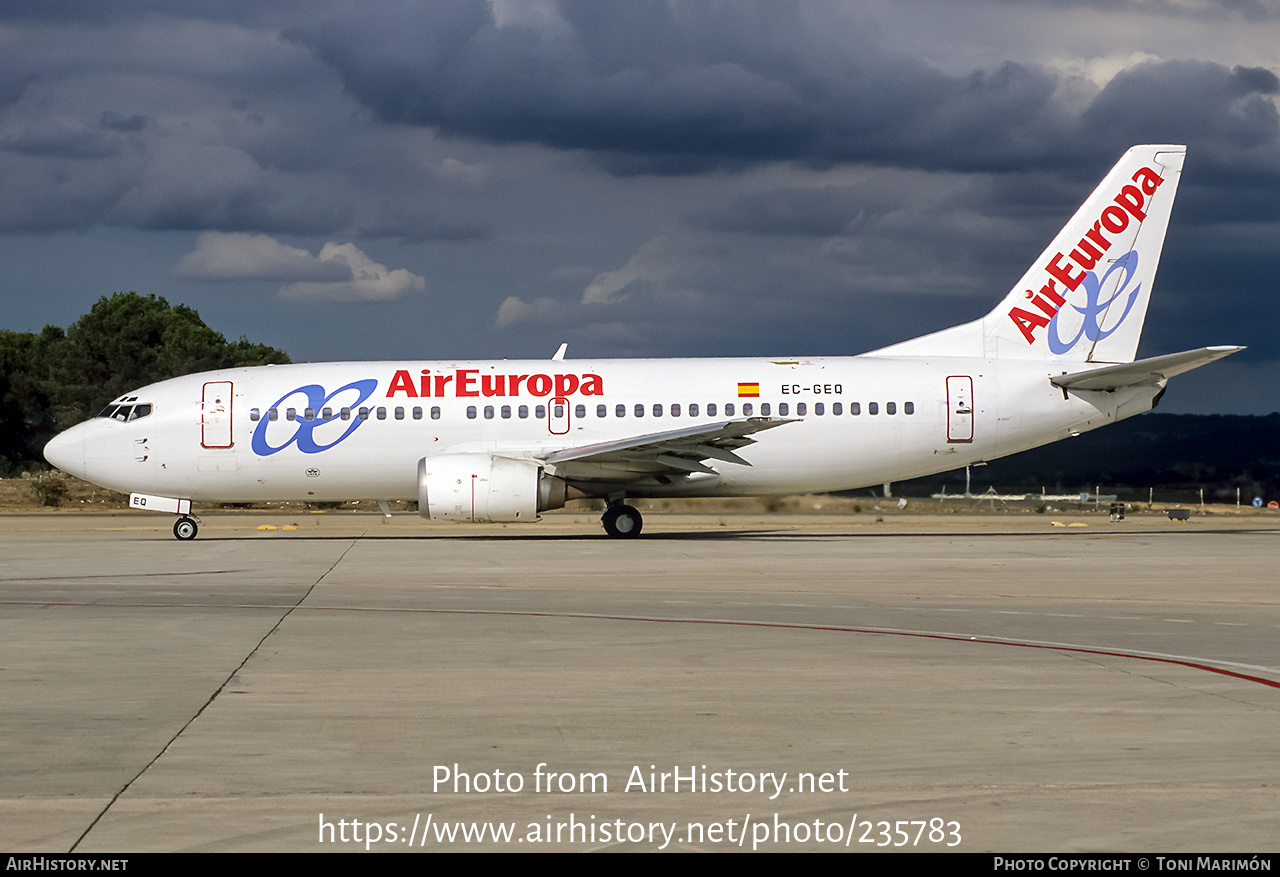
(1144, 371)
(678, 451)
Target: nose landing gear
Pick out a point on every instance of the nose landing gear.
(185, 529)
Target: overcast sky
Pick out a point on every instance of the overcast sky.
(488, 178)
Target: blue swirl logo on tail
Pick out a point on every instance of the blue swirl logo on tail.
(1094, 310)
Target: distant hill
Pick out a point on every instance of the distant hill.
(1167, 452)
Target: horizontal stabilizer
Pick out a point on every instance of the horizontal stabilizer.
(1144, 371)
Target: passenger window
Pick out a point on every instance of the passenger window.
(783, 409)
(254, 415)
(657, 410)
(291, 414)
(728, 409)
(326, 413)
(506, 412)
(273, 413)
(639, 409)
(471, 412)
(309, 414)
(891, 408)
(488, 412)
(399, 413)
(873, 407)
(802, 408)
(711, 409)
(540, 411)
(765, 409)
(675, 410)
(908, 408)
(345, 413)
(693, 409)
(382, 413)
(620, 411)
(417, 414)
(819, 409)
(580, 411)
(363, 414)
(747, 408)
(602, 411)
(522, 412)
(837, 408)
(855, 408)
(435, 412)
(559, 411)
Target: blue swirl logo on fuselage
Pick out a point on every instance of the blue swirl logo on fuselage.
(1094, 310)
(304, 434)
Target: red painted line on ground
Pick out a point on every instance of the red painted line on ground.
(1194, 665)
(959, 638)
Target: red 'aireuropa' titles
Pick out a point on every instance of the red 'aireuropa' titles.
(1129, 204)
(464, 382)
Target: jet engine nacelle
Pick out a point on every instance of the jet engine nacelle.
(485, 488)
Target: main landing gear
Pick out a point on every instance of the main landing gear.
(185, 529)
(622, 522)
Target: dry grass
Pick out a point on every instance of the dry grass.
(58, 492)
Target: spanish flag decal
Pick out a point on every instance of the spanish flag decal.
(752, 390)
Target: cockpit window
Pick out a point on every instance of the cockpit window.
(124, 413)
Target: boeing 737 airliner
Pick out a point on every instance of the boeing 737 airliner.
(504, 441)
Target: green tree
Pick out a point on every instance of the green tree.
(55, 379)
(26, 408)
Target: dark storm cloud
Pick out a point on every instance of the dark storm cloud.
(12, 89)
(1211, 10)
(642, 87)
(64, 139)
(77, 179)
(688, 86)
(417, 227)
(96, 12)
(805, 212)
(128, 124)
(1228, 118)
(135, 124)
(56, 141)
(62, 10)
(1224, 112)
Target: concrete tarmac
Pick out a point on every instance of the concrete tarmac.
(973, 683)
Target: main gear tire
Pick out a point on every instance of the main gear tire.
(622, 522)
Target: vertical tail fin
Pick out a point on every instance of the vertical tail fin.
(1085, 298)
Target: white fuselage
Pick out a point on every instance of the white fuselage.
(914, 416)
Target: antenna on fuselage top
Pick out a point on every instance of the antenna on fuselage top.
(560, 353)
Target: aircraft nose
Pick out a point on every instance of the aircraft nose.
(66, 451)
